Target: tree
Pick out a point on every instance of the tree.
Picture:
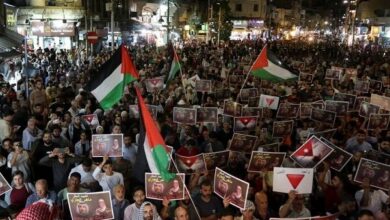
(226, 25)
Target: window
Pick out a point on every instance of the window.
(238, 7)
(256, 7)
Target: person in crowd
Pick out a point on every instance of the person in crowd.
(358, 143)
(83, 146)
(6, 129)
(19, 160)
(61, 166)
(41, 192)
(132, 211)
(371, 199)
(119, 203)
(207, 204)
(181, 213)
(73, 186)
(30, 134)
(148, 211)
(85, 169)
(38, 95)
(248, 212)
(294, 207)
(109, 178)
(16, 198)
(40, 149)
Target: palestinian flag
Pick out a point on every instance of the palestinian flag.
(114, 75)
(268, 67)
(155, 150)
(175, 67)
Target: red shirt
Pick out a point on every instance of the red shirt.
(19, 196)
(187, 152)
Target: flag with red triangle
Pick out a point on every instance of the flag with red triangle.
(311, 153)
(297, 179)
(191, 164)
(269, 101)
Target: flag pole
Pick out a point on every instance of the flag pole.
(185, 187)
(247, 75)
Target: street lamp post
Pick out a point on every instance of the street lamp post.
(112, 25)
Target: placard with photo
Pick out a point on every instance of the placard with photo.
(154, 84)
(350, 73)
(245, 94)
(306, 77)
(158, 189)
(297, 179)
(378, 121)
(340, 107)
(288, 110)
(134, 111)
(269, 101)
(92, 120)
(184, 115)
(299, 65)
(386, 81)
(305, 108)
(251, 111)
(216, 159)
(375, 85)
(207, 115)
(338, 158)
(4, 185)
(346, 98)
(362, 86)
(380, 100)
(282, 128)
(366, 109)
(229, 186)
(243, 124)
(333, 74)
(232, 108)
(242, 143)
(203, 86)
(95, 205)
(107, 144)
(311, 153)
(253, 101)
(323, 116)
(265, 161)
(378, 156)
(377, 173)
(359, 101)
(192, 164)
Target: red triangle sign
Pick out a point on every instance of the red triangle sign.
(306, 149)
(295, 179)
(245, 121)
(189, 161)
(154, 81)
(269, 101)
(89, 118)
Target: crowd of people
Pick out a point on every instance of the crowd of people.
(46, 144)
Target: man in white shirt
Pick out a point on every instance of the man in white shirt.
(109, 179)
(85, 169)
(132, 211)
(372, 200)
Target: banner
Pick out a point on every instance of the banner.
(297, 179)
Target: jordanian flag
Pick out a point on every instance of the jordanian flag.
(268, 67)
(155, 150)
(175, 67)
(114, 75)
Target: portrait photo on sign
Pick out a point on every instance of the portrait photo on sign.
(231, 187)
(216, 159)
(282, 128)
(242, 143)
(378, 121)
(222, 94)
(346, 98)
(96, 205)
(158, 189)
(338, 158)
(245, 94)
(207, 115)
(192, 164)
(288, 110)
(252, 112)
(332, 74)
(232, 108)
(184, 115)
(253, 101)
(359, 101)
(265, 161)
(340, 107)
(311, 153)
(362, 86)
(377, 173)
(203, 86)
(107, 144)
(243, 124)
(366, 109)
(375, 85)
(324, 116)
(306, 77)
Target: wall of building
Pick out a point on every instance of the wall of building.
(248, 8)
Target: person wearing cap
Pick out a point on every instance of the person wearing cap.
(248, 212)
